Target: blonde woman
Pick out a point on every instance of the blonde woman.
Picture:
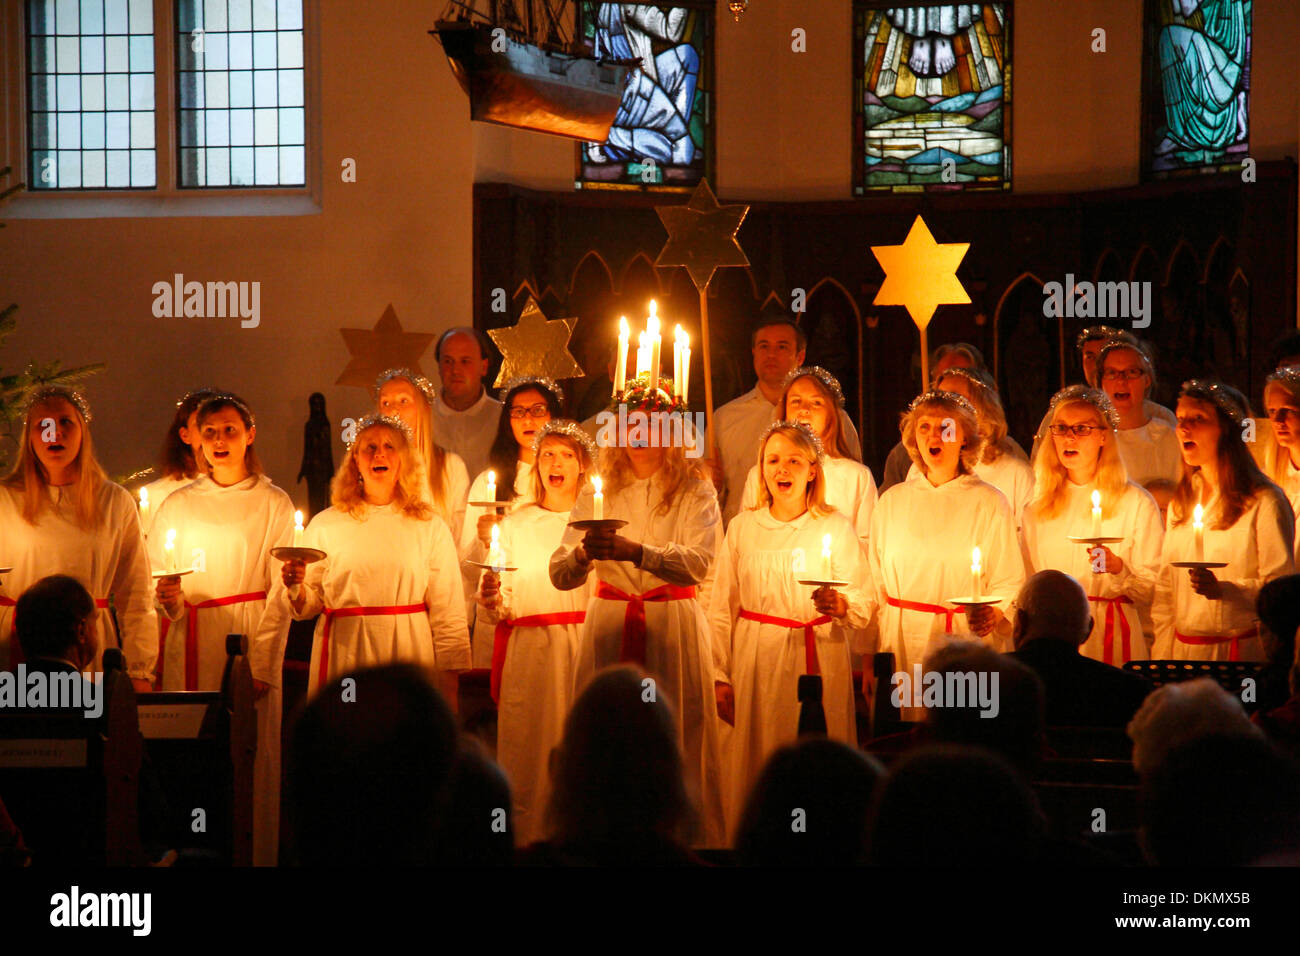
(389, 587)
(1080, 456)
(769, 628)
(646, 609)
(813, 396)
(59, 514)
(923, 532)
(536, 629)
(1206, 613)
(1278, 446)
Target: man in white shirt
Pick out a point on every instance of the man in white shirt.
(779, 346)
(464, 416)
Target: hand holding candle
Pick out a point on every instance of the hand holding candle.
(976, 588)
(1096, 514)
(597, 500)
(1198, 532)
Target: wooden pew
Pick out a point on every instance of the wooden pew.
(71, 783)
(202, 746)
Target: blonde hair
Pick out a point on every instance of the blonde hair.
(578, 448)
(988, 408)
(28, 475)
(347, 491)
(616, 470)
(1272, 458)
(1051, 480)
(815, 492)
(432, 455)
(833, 440)
(953, 406)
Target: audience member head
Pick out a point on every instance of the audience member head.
(368, 770)
(941, 432)
(1278, 607)
(1175, 714)
(56, 449)
(475, 829)
(821, 784)
(617, 775)
(462, 356)
(954, 806)
(56, 617)
(1221, 800)
(1052, 606)
(179, 457)
(813, 396)
(991, 701)
(779, 346)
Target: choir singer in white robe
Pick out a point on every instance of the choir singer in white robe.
(1147, 441)
(1080, 456)
(1277, 448)
(389, 587)
(1208, 614)
(178, 463)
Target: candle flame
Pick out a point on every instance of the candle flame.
(1197, 515)
(826, 546)
(975, 559)
(297, 520)
(496, 536)
(1096, 499)
(144, 497)
(171, 538)
(596, 483)
(653, 310)
(623, 330)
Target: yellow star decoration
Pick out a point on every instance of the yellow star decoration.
(921, 274)
(702, 235)
(536, 345)
(383, 347)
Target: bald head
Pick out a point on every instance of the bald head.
(462, 363)
(1052, 606)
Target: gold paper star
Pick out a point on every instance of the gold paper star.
(383, 347)
(536, 345)
(921, 274)
(702, 235)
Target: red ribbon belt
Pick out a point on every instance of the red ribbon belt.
(947, 612)
(1234, 654)
(390, 610)
(501, 638)
(16, 655)
(633, 648)
(1108, 642)
(811, 664)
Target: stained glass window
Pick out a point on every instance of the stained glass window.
(90, 74)
(240, 78)
(662, 135)
(932, 97)
(1196, 65)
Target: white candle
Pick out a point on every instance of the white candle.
(1096, 514)
(494, 549)
(686, 366)
(169, 546)
(597, 500)
(620, 368)
(826, 558)
(976, 589)
(144, 510)
(655, 341)
(677, 361)
(1198, 531)
(297, 529)
(492, 485)
(642, 355)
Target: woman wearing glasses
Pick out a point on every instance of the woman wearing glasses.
(1247, 523)
(527, 404)
(1279, 448)
(1079, 457)
(1147, 443)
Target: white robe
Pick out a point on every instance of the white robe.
(159, 492)
(469, 433)
(227, 534)
(850, 490)
(921, 541)
(1290, 485)
(1151, 452)
(1136, 518)
(109, 560)
(456, 483)
(471, 549)
(1259, 547)
(1009, 475)
(739, 425)
(679, 550)
(537, 681)
(757, 570)
(383, 559)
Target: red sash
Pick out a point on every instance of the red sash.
(390, 610)
(947, 612)
(1108, 642)
(16, 655)
(633, 648)
(811, 664)
(192, 634)
(501, 638)
(1234, 654)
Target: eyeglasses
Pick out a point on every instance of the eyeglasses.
(536, 411)
(1125, 374)
(1078, 431)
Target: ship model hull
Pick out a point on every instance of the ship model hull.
(532, 88)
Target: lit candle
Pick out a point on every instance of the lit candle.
(826, 557)
(492, 485)
(297, 529)
(975, 587)
(144, 509)
(677, 361)
(169, 546)
(686, 365)
(494, 549)
(620, 368)
(642, 355)
(1096, 514)
(1198, 530)
(655, 341)
(597, 500)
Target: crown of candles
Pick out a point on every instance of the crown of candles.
(649, 345)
